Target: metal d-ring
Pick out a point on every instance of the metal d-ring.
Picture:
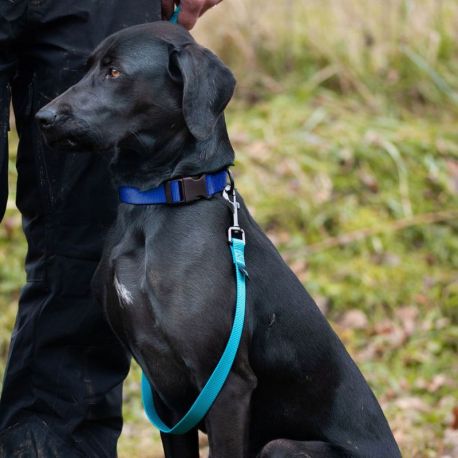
(231, 181)
(230, 196)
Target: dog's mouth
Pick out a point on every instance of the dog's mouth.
(65, 143)
(73, 136)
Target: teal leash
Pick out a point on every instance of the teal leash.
(174, 18)
(215, 383)
(217, 379)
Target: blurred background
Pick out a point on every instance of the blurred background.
(346, 133)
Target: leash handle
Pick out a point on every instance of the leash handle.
(174, 18)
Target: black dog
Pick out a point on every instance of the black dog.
(155, 100)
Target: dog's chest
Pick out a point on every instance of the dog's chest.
(140, 320)
(171, 304)
(133, 304)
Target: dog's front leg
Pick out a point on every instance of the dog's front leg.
(177, 445)
(228, 420)
(181, 446)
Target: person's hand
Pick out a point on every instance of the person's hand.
(191, 10)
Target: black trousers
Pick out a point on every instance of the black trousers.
(62, 388)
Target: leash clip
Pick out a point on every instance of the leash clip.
(234, 231)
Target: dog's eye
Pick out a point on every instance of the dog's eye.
(113, 73)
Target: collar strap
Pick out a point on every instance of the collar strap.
(177, 191)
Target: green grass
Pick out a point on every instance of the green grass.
(345, 127)
(364, 208)
(399, 51)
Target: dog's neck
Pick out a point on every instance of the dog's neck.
(149, 158)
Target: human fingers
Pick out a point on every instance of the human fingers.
(191, 10)
(167, 9)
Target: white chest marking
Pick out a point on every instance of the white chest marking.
(124, 294)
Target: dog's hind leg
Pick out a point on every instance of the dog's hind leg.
(285, 448)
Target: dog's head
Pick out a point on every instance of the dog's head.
(149, 78)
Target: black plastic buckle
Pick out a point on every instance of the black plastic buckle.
(191, 188)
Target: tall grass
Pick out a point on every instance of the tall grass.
(388, 52)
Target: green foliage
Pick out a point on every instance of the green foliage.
(389, 52)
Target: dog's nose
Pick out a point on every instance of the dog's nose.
(46, 117)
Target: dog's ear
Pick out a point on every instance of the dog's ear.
(208, 86)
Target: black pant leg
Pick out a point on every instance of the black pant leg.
(65, 367)
(12, 20)
(4, 126)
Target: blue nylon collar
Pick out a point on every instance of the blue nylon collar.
(177, 191)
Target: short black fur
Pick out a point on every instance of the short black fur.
(153, 99)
